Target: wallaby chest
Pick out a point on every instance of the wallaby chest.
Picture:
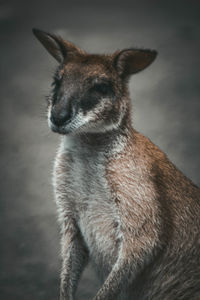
(84, 193)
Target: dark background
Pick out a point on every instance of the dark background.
(166, 109)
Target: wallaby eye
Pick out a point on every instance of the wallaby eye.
(102, 88)
(56, 84)
(56, 81)
(57, 78)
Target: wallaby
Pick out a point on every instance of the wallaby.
(121, 203)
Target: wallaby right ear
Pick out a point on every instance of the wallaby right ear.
(131, 61)
(56, 46)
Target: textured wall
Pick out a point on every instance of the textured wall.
(166, 109)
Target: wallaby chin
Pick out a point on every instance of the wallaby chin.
(121, 203)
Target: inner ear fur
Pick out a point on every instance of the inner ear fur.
(131, 61)
(56, 46)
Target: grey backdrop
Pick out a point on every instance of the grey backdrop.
(166, 109)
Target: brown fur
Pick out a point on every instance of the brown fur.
(167, 218)
(122, 203)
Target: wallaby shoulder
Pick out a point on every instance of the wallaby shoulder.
(150, 186)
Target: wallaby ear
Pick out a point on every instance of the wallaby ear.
(56, 46)
(131, 61)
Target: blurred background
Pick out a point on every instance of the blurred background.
(166, 108)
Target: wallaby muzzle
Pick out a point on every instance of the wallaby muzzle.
(61, 113)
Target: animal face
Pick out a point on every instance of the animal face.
(86, 96)
(90, 91)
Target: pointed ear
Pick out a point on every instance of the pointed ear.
(56, 46)
(131, 61)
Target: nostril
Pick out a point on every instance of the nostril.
(64, 116)
(59, 118)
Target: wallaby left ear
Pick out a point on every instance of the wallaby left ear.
(131, 61)
(56, 46)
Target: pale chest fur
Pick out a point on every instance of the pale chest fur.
(83, 193)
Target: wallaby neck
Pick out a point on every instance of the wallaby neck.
(110, 141)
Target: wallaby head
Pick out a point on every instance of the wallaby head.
(90, 90)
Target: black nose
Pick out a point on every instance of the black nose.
(59, 118)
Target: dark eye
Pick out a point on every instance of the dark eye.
(102, 88)
(57, 78)
(56, 82)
